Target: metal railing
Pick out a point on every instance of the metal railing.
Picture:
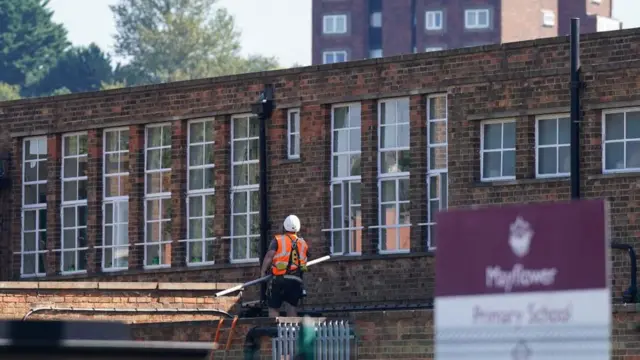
(334, 340)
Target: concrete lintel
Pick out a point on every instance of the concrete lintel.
(128, 285)
(18, 285)
(73, 285)
(518, 113)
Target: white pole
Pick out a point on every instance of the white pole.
(265, 278)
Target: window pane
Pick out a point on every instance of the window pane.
(564, 159)
(196, 155)
(356, 169)
(388, 137)
(509, 135)
(341, 166)
(491, 164)
(438, 158)
(547, 132)
(614, 156)
(564, 129)
(254, 127)
(354, 139)
(341, 141)
(438, 107)
(633, 125)
(437, 132)
(196, 132)
(403, 135)
(492, 138)
(633, 155)
(354, 115)
(403, 189)
(240, 129)
(340, 117)
(614, 126)
(509, 163)
(240, 150)
(547, 158)
(388, 191)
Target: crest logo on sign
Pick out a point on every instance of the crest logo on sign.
(520, 235)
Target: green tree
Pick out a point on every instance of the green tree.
(79, 69)
(30, 42)
(9, 92)
(173, 40)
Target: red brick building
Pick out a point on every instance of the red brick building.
(159, 183)
(345, 30)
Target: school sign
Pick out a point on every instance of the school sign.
(526, 282)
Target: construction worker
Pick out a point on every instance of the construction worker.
(286, 260)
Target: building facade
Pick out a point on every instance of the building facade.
(346, 30)
(160, 183)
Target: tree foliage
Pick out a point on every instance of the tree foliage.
(79, 69)
(173, 40)
(30, 42)
(9, 92)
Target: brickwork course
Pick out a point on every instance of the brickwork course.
(519, 81)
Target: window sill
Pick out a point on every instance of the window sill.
(286, 161)
(388, 256)
(521, 181)
(615, 175)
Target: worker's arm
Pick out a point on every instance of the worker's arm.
(268, 258)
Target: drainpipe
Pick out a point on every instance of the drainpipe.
(630, 295)
(125, 310)
(576, 116)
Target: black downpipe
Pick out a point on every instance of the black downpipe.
(630, 296)
(264, 109)
(575, 108)
(252, 341)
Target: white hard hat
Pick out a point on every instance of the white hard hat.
(292, 224)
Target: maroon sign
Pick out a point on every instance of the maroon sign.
(523, 248)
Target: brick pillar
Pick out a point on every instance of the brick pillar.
(525, 147)
(178, 192)
(418, 180)
(15, 238)
(369, 165)
(136, 196)
(54, 197)
(94, 201)
(222, 128)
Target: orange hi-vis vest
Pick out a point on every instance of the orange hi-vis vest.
(288, 260)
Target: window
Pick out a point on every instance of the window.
(332, 57)
(393, 176)
(334, 24)
(74, 203)
(375, 53)
(115, 246)
(437, 162)
(245, 200)
(621, 151)
(34, 207)
(157, 240)
(498, 155)
(476, 19)
(548, 18)
(434, 20)
(346, 215)
(553, 138)
(201, 193)
(433, 48)
(293, 134)
(376, 19)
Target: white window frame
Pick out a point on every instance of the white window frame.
(476, 25)
(431, 18)
(248, 189)
(396, 176)
(36, 208)
(624, 140)
(293, 152)
(436, 175)
(203, 194)
(330, 24)
(75, 204)
(116, 202)
(548, 18)
(349, 233)
(376, 19)
(334, 53)
(557, 145)
(160, 197)
(501, 150)
(433, 48)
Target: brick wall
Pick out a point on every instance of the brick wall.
(520, 81)
(111, 301)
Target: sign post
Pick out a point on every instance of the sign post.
(527, 282)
